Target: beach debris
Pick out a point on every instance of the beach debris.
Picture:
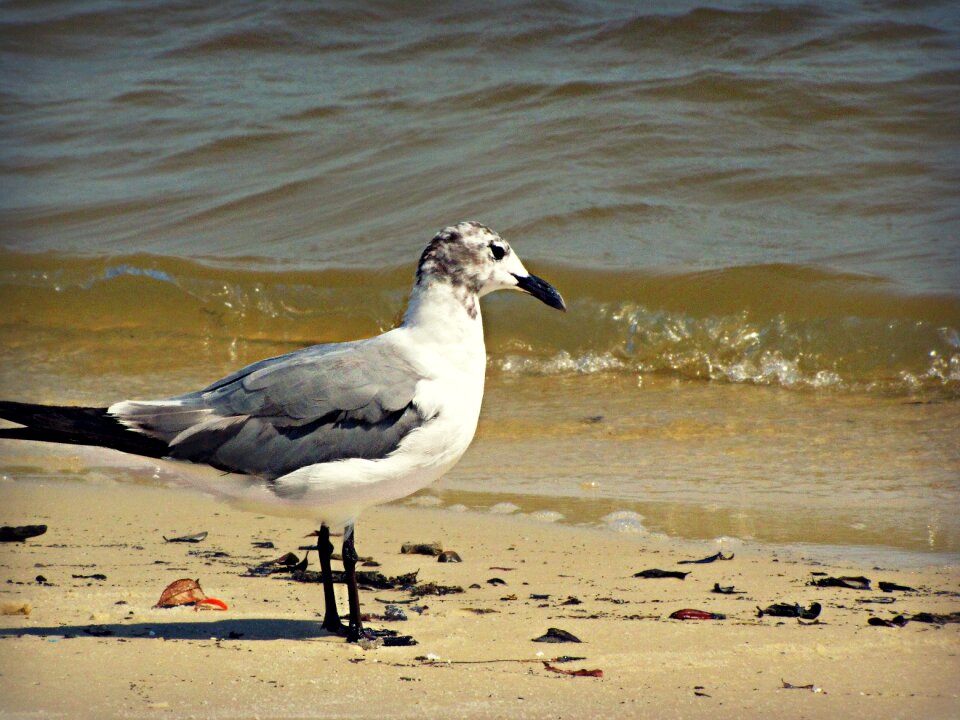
(857, 582)
(391, 613)
(418, 609)
(790, 610)
(16, 608)
(700, 691)
(98, 631)
(449, 556)
(391, 638)
(556, 635)
(790, 686)
(20, 533)
(571, 600)
(654, 573)
(365, 578)
(433, 549)
(394, 613)
(194, 538)
(496, 581)
(897, 622)
(503, 569)
(936, 618)
(385, 638)
(539, 596)
(573, 673)
(481, 611)
(615, 601)
(726, 590)
(691, 614)
(208, 554)
(41, 580)
(508, 598)
(704, 561)
(877, 600)
(434, 589)
(95, 576)
(287, 562)
(923, 617)
(434, 659)
(893, 587)
(187, 592)
(264, 544)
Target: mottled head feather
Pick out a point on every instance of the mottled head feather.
(462, 256)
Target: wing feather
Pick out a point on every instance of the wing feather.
(319, 404)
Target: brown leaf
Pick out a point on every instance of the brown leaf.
(574, 673)
(181, 592)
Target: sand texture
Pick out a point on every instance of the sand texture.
(97, 648)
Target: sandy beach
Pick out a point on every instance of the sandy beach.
(98, 648)
(747, 208)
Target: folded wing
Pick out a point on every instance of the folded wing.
(320, 404)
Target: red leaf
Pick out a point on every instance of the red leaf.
(690, 614)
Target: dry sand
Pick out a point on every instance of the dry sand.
(267, 656)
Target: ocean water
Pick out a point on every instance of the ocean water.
(751, 208)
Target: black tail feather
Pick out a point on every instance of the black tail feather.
(76, 426)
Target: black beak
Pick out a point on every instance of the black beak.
(542, 290)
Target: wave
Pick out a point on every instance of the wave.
(783, 325)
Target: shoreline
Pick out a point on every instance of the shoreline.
(81, 653)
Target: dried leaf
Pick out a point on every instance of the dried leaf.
(573, 673)
(811, 687)
(704, 561)
(556, 635)
(20, 533)
(790, 610)
(896, 622)
(195, 538)
(181, 592)
(854, 583)
(433, 549)
(656, 573)
(936, 618)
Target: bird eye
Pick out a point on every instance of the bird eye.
(498, 251)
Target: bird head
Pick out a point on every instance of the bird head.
(474, 259)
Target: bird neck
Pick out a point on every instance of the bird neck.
(439, 307)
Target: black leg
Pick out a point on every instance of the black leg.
(350, 557)
(331, 617)
(356, 632)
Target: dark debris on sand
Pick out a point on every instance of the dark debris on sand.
(20, 533)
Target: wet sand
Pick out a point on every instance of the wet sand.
(97, 648)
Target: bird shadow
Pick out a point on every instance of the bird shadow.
(241, 629)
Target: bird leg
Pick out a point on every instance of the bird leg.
(355, 632)
(331, 617)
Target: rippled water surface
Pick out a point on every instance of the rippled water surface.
(742, 198)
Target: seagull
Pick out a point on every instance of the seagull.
(329, 430)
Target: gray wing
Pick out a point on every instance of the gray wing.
(320, 404)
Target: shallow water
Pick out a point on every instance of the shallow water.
(751, 210)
